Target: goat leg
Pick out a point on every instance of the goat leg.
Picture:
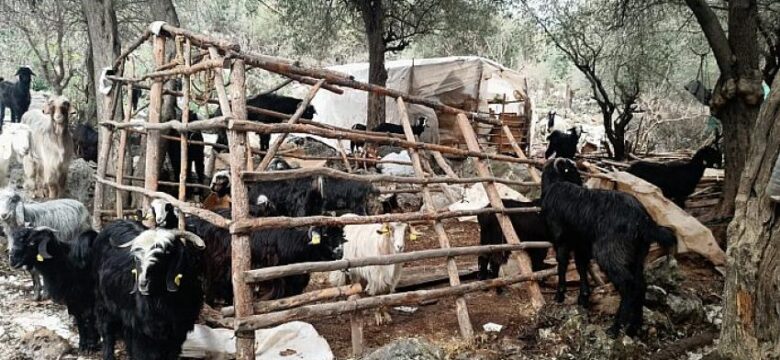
(36, 279)
(562, 257)
(582, 260)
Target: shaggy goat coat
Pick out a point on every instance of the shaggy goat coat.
(612, 227)
(46, 167)
(367, 240)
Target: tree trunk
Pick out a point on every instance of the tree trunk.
(751, 320)
(90, 109)
(373, 19)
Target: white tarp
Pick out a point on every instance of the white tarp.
(475, 197)
(457, 80)
(293, 340)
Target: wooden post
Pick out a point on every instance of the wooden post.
(537, 300)
(152, 170)
(461, 310)
(520, 154)
(356, 329)
(185, 119)
(122, 152)
(293, 119)
(242, 258)
(343, 154)
(104, 155)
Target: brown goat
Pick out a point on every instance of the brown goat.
(51, 148)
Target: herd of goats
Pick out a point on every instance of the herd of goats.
(147, 285)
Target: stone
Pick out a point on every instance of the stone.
(407, 349)
(43, 343)
(664, 274)
(81, 182)
(685, 308)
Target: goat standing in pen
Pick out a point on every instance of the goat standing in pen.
(68, 217)
(66, 274)
(149, 289)
(46, 166)
(367, 240)
(85, 142)
(611, 226)
(16, 96)
(563, 145)
(14, 146)
(678, 179)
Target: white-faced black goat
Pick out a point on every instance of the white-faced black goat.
(563, 145)
(611, 226)
(355, 145)
(16, 95)
(68, 217)
(220, 191)
(66, 274)
(678, 179)
(149, 289)
(46, 166)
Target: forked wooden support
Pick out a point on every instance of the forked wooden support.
(185, 119)
(293, 119)
(152, 170)
(520, 154)
(122, 153)
(461, 310)
(537, 300)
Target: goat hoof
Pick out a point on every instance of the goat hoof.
(613, 332)
(560, 297)
(632, 331)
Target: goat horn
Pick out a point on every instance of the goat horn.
(42, 228)
(194, 239)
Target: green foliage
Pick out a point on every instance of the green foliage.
(39, 84)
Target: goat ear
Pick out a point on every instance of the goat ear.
(42, 252)
(48, 106)
(314, 236)
(19, 213)
(175, 272)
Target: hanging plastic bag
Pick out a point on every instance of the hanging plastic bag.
(699, 91)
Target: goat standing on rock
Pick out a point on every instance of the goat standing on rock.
(16, 96)
(46, 167)
(609, 225)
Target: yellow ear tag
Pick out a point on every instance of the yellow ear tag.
(39, 258)
(385, 229)
(413, 236)
(315, 238)
(177, 279)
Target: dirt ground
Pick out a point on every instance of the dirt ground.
(525, 333)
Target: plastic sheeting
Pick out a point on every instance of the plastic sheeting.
(475, 197)
(293, 340)
(462, 81)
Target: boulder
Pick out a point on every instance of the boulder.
(43, 343)
(81, 182)
(407, 349)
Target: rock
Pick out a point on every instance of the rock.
(318, 148)
(407, 349)
(685, 308)
(656, 296)
(664, 274)
(44, 344)
(409, 201)
(81, 182)
(714, 314)
(503, 170)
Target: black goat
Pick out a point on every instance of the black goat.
(316, 195)
(529, 227)
(269, 247)
(563, 145)
(357, 144)
(151, 295)
(609, 225)
(66, 275)
(678, 179)
(16, 96)
(417, 129)
(281, 104)
(85, 142)
(195, 156)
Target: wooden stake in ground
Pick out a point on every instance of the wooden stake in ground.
(152, 174)
(185, 119)
(537, 300)
(461, 310)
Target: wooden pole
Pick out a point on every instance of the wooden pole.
(537, 300)
(104, 155)
(185, 119)
(152, 171)
(204, 214)
(244, 225)
(297, 115)
(240, 250)
(356, 330)
(344, 156)
(328, 172)
(520, 154)
(461, 310)
(298, 300)
(318, 311)
(122, 152)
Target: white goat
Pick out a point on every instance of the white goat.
(373, 240)
(46, 166)
(14, 144)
